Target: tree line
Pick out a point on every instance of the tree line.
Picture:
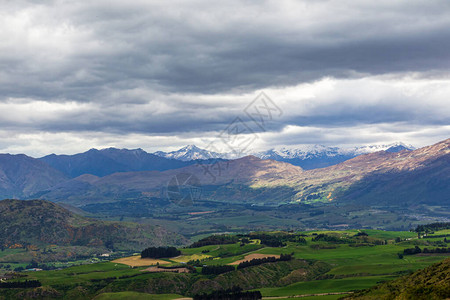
(160, 252)
(330, 238)
(277, 240)
(436, 250)
(33, 264)
(260, 261)
(433, 227)
(429, 228)
(20, 284)
(270, 240)
(417, 250)
(221, 239)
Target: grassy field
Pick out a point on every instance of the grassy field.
(325, 286)
(83, 273)
(441, 232)
(6, 252)
(137, 261)
(352, 266)
(186, 258)
(136, 296)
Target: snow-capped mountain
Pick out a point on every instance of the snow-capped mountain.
(309, 151)
(303, 152)
(320, 156)
(394, 147)
(305, 156)
(190, 152)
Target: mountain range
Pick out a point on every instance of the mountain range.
(111, 160)
(192, 152)
(108, 161)
(18, 173)
(408, 177)
(306, 156)
(418, 176)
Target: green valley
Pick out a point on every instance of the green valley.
(323, 262)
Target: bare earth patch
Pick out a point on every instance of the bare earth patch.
(157, 270)
(252, 256)
(137, 261)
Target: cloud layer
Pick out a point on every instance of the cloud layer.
(81, 74)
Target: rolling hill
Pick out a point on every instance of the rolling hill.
(39, 222)
(430, 283)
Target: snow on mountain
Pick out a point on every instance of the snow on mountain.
(305, 156)
(394, 147)
(320, 156)
(302, 152)
(308, 151)
(190, 152)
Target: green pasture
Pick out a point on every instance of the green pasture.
(325, 286)
(5, 252)
(136, 296)
(353, 267)
(79, 274)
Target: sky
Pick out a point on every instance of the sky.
(159, 75)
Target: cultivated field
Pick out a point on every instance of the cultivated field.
(331, 262)
(137, 261)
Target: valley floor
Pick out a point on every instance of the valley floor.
(325, 265)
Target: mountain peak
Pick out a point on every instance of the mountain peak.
(190, 147)
(189, 152)
(399, 146)
(249, 158)
(123, 150)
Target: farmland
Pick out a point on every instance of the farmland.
(323, 262)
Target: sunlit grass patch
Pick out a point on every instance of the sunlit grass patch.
(186, 258)
(137, 261)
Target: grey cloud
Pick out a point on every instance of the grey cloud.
(347, 103)
(145, 67)
(348, 114)
(184, 48)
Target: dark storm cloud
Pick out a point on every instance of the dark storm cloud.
(185, 67)
(98, 47)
